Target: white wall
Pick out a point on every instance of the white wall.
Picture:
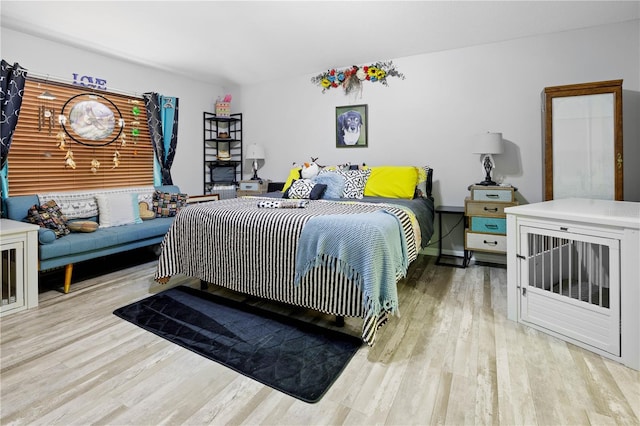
(430, 118)
(61, 61)
(447, 99)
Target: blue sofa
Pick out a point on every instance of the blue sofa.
(81, 246)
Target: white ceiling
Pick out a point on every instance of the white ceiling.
(246, 42)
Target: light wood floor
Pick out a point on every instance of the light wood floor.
(451, 358)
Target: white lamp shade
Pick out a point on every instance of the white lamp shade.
(255, 152)
(488, 143)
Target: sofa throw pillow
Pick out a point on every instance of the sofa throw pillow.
(74, 205)
(145, 212)
(82, 226)
(48, 215)
(168, 204)
(354, 182)
(118, 209)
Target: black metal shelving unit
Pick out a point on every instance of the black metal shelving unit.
(222, 150)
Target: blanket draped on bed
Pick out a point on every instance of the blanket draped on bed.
(374, 255)
(235, 244)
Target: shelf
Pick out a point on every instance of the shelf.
(216, 171)
(233, 118)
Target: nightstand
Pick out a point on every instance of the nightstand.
(486, 220)
(252, 187)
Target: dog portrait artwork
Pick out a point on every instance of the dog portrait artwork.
(350, 126)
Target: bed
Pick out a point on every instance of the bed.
(341, 256)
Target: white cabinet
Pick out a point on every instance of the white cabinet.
(572, 271)
(19, 252)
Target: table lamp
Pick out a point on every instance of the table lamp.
(255, 152)
(487, 145)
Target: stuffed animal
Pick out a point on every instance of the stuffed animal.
(310, 170)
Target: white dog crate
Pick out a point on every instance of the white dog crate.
(573, 268)
(19, 254)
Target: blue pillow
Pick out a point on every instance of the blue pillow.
(334, 182)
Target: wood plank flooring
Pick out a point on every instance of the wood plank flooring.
(451, 358)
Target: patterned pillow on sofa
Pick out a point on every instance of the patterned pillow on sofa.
(48, 215)
(168, 204)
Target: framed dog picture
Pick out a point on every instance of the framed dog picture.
(351, 126)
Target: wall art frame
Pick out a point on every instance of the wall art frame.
(352, 129)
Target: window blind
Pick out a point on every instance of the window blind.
(36, 163)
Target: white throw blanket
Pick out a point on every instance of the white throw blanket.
(369, 248)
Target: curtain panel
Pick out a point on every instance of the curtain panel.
(162, 119)
(12, 81)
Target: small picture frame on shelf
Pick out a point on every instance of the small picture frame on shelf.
(351, 126)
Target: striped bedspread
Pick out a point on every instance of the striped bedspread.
(234, 244)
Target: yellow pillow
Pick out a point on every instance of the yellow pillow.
(392, 182)
(294, 174)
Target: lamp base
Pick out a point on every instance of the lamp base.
(487, 183)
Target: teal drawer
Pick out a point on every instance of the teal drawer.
(492, 225)
(505, 195)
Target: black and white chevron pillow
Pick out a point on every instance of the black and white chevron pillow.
(354, 182)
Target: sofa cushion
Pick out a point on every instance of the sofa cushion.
(18, 206)
(79, 242)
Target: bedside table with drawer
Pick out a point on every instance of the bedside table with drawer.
(486, 220)
(252, 187)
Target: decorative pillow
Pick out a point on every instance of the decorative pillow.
(82, 225)
(392, 182)
(354, 182)
(305, 189)
(118, 209)
(48, 215)
(294, 174)
(334, 182)
(168, 204)
(79, 205)
(145, 213)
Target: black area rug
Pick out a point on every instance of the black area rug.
(294, 357)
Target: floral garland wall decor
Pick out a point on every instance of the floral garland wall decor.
(350, 79)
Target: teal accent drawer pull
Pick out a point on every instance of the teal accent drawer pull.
(491, 226)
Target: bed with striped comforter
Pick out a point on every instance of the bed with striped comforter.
(234, 244)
